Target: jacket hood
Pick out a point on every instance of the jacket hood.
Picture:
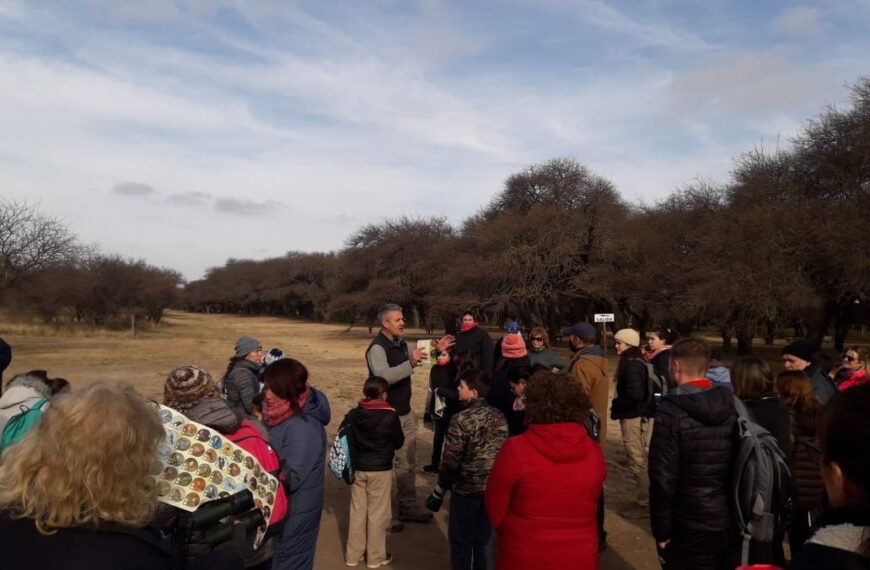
(31, 382)
(18, 395)
(711, 406)
(597, 360)
(369, 415)
(593, 350)
(719, 374)
(560, 443)
(249, 364)
(317, 406)
(216, 414)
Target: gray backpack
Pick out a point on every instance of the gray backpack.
(761, 489)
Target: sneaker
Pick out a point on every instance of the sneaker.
(386, 562)
(396, 526)
(352, 563)
(430, 469)
(416, 514)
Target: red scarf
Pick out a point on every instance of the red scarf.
(463, 328)
(274, 414)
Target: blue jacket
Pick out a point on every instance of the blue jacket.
(301, 445)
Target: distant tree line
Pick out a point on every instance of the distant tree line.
(781, 248)
(46, 273)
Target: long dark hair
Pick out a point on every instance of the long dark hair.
(288, 379)
(844, 434)
(232, 364)
(630, 353)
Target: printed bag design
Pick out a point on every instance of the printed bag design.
(339, 454)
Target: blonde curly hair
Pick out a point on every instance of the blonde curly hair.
(86, 461)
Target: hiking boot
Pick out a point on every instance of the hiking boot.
(430, 469)
(415, 514)
(386, 562)
(395, 526)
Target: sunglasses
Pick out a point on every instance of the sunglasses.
(848, 358)
(538, 338)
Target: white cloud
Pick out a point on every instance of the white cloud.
(799, 21)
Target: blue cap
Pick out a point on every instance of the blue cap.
(583, 331)
(512, 327)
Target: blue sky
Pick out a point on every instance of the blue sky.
(190, 132)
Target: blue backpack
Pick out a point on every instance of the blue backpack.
(21, 423)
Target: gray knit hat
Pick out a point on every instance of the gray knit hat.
(246, 345)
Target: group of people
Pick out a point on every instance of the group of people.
(76, 491)
(517, 452)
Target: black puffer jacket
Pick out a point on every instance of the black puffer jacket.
(806, 463)
(632, 387)
(443, 379)
(377, 434)
(771, 414)
(690, 462)
(662, 364)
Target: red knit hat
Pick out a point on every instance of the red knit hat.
(513, 346)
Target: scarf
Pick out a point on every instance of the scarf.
(367, 404)
(648, 356)
(463, 328)
(274, 414)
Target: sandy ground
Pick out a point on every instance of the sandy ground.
(334, 357)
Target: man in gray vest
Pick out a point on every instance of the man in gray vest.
(388, 357)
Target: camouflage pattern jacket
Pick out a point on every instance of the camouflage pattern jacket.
(474, 438)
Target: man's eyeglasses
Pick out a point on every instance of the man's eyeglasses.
(537, 339)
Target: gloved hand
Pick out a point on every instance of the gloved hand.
(435, 499)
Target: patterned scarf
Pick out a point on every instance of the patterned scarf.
(274, 414)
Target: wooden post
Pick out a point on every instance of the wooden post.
(604, 338)
(133, 326)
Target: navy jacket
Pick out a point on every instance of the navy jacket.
(300, 442)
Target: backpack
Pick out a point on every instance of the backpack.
(761, 488)
(656, 387)
(340, 452)
(21, 423)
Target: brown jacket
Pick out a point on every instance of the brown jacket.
(590, 369)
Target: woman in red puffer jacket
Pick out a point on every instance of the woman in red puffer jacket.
(543, 491)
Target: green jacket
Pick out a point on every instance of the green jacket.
(474, 438)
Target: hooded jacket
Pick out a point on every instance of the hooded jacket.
(473, 440)
(501, 396)
(690, 461)
(836, 544)
(377, 434)
(542, 498)
(22, 397)
(300, 441)
(632, 388)
(589, 367)
(242, 384)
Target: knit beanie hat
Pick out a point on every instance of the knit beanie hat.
(629, 336)
(186, 386)
(513, 346)
(246, 345)
(802, 348)
(273, 355)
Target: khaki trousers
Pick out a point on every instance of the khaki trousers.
(406, 467)
(636, 433)
(369, 516)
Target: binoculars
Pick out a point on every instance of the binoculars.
(206, 524)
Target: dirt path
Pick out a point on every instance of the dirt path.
(334, 357)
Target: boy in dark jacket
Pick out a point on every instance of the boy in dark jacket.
(376, 434)
(473, 440)
(690, 465)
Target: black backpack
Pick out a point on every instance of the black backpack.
(761, 489)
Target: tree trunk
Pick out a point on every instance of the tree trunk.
(745, 334)
(770, 333)
(726, 340)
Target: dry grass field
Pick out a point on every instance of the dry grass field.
(334, 357)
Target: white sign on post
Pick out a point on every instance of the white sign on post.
(603, 317)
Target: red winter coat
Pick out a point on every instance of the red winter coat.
(542, 498)
(856, 379)
(254, 442)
